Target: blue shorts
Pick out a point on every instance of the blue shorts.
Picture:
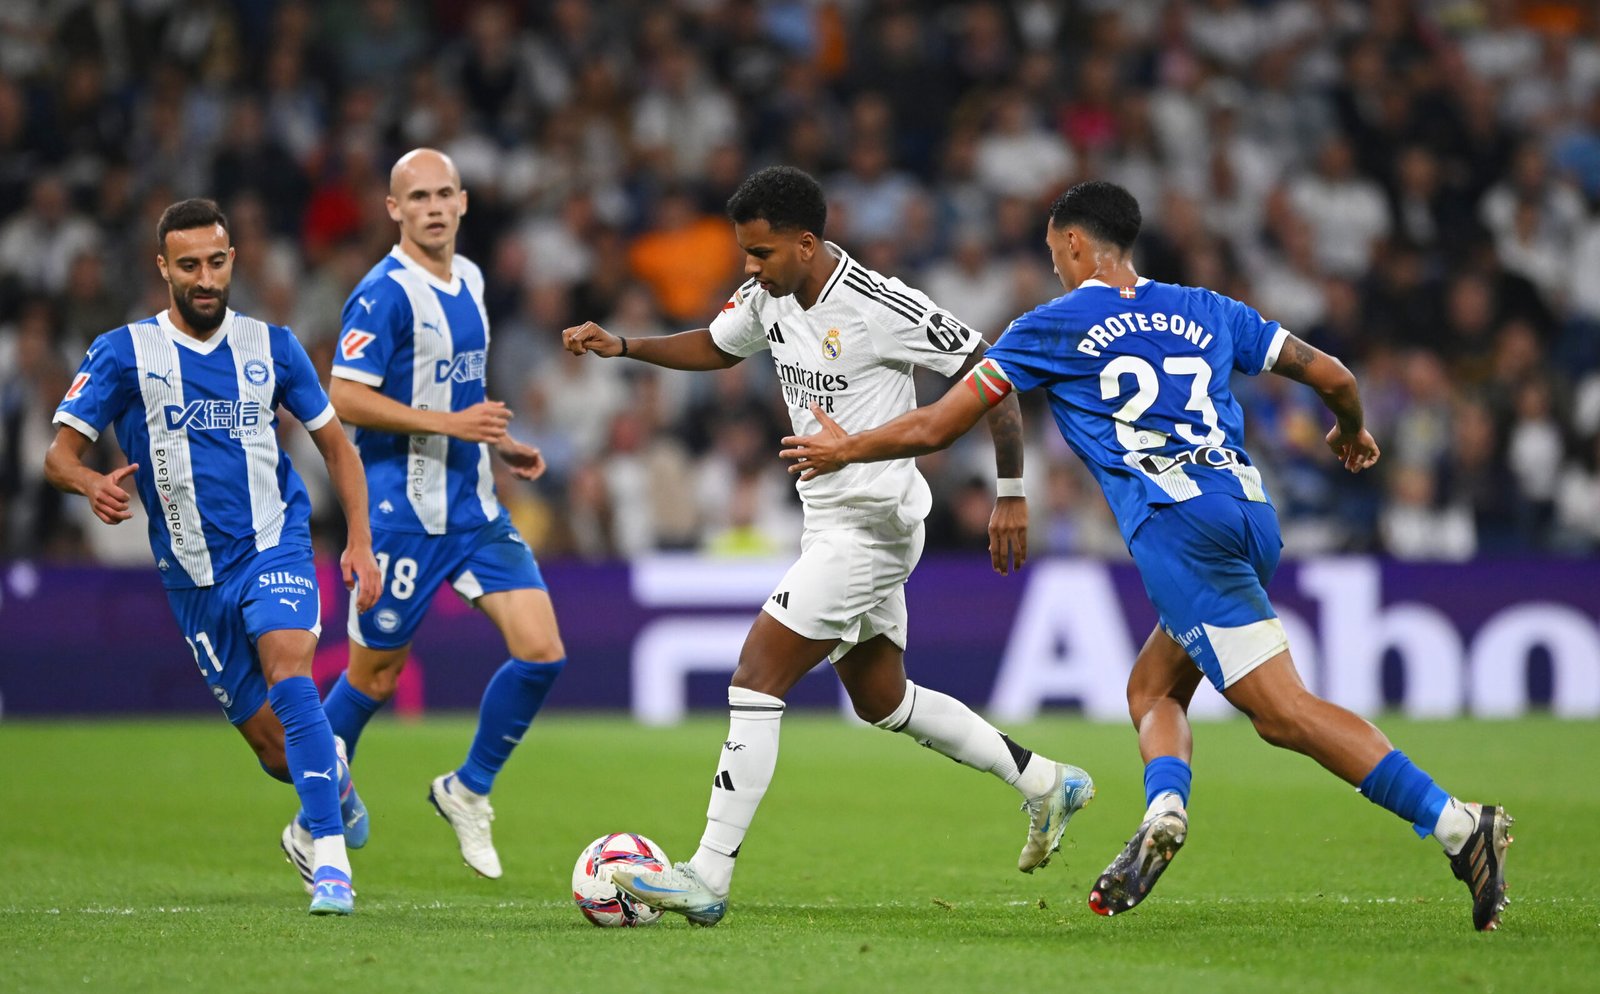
(485, 560)
(1205, 563)
(273, 590)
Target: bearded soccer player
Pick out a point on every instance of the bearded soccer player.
(409, 374)
(1137, 377)
(844, 340)
(193, 393)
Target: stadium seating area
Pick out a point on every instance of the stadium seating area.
(1413, 185)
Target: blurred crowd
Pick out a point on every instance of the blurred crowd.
(1413, 185)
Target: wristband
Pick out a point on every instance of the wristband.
(624, 342)
(1009, 487)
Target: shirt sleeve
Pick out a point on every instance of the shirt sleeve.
(302, 391)
(372, 321)
(1021, 356)
(737, 330)
(1256, 341)
(919, 331)
(97, 394)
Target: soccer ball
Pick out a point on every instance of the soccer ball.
(597, 897)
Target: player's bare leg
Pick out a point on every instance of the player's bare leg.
(312, 759)
(1475, 836)
(874, 675)
(527, 621)
(1289, 716)
(1160, 688)
(773, 660)
(376, 672)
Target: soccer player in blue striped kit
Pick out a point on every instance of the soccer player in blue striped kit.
(409, 374)
(1136, 373)
(192, 392)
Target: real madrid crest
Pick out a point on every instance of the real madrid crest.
(832, 348)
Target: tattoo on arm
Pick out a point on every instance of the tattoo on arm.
(1005, 427)
(1294, 358)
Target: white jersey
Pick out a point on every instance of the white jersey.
(851, 354)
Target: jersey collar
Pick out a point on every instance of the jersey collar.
(838, 271)
(164, 319)
(1141, 281)
(452, 287)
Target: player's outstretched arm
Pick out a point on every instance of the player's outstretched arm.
(694, 350)
(1008, 524)
(1336, 385)
(65, 469)
(356, 564)
(915, 433)
(365, 407)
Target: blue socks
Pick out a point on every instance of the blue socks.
(1167, 774)
(1396, 784)
(510, 701)
(348, 711)
(308, 748)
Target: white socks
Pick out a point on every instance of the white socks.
(749, 756)
(947, 726)
(1456, 822)
(329, 851)
(1164, 802)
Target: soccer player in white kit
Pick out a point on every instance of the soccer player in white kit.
(845, 339)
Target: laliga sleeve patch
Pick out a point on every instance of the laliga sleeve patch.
(989, 382)
(78, 383)
(354, 343)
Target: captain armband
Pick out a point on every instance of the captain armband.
(989, 382)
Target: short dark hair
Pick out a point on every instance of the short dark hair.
(196, 212)
(786, 198)
(1105, 210)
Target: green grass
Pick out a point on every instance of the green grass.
(142, 856)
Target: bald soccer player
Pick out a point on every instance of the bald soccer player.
(409, 374)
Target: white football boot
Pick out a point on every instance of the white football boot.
(1049, 813)
(469, 814)
(678, 888)
(297, 849)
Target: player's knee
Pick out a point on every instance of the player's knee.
(1282, 726)
(536, 647)
(379, 684)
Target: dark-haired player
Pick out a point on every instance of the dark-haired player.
(843, 339)
(193, 393)
(1137, 376)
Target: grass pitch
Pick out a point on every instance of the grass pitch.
(142, 856)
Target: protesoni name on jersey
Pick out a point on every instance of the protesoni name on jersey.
(1102, 335)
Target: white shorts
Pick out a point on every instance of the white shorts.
(849, 584)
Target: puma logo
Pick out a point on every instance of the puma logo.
(294, 605)
(364, 302)
(314, 775)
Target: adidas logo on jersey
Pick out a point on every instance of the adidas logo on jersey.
(723, 780)
(781, 599)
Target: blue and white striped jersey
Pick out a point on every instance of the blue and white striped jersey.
(1138, 383)
(423, 342)
(200, 420)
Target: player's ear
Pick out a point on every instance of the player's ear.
(161, 265)
(394, 208)
(463, 202)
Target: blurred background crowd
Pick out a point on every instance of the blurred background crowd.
(1413, 185)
